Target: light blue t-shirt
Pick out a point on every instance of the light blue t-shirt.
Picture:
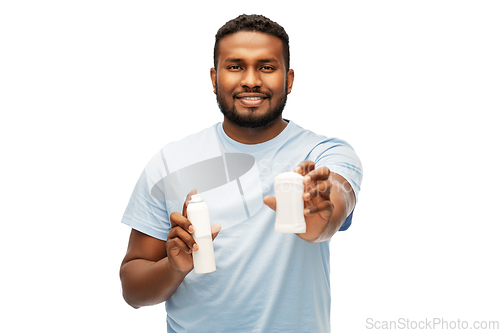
(265, 281)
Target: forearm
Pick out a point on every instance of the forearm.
(147, 282)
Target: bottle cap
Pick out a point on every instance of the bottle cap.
(196, 198)
(288, 177)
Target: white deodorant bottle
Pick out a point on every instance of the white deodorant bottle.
(289, 188)
(204, 257)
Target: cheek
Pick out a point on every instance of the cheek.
(227, 83)
(278, 87)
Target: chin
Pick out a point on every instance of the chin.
(251, 120)
(247, 118)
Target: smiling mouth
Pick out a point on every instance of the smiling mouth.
(251, 100)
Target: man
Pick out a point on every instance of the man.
(264, 281)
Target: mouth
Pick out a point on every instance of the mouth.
(251, 99)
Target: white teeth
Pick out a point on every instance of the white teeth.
(253, 98)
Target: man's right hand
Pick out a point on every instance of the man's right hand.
(180, 241)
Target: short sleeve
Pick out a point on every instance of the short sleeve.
(340, 158)
(145, 213)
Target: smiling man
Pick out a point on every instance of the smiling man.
(264, 281)
(251, 79)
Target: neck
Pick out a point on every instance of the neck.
(251, 136)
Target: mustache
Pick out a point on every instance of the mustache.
(255, 91)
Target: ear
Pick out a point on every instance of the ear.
(213, 77)
(290, 75)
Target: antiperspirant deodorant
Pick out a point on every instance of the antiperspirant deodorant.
(204, 257)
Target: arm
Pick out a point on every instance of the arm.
(152, 268)
(328, 201)
(146, 272)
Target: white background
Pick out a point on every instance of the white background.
(90, 90)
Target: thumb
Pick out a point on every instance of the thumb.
(270, 201)
(215, 230)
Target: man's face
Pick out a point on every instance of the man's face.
(251, 82)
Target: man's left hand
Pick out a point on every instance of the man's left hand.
(328, 200)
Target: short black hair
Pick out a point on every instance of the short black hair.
(257, 23)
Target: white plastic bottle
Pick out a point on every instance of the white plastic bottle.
(289, 189)
(204, 257)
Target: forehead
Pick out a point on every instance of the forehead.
(250, 46)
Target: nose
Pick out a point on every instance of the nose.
(251, 79)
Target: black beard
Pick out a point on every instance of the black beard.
(250, 121)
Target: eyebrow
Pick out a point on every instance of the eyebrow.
(259, 61)
(267, 60)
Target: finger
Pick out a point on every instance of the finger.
(270, 201)
(176, 219)
(322, 189)
(320, 207)
(215, 230)
(304, 167)
(186, 202)
(172, 249)
(316, 175)
(175, 246)
(183, 236)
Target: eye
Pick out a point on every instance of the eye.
(267, 68)
(234, 68)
